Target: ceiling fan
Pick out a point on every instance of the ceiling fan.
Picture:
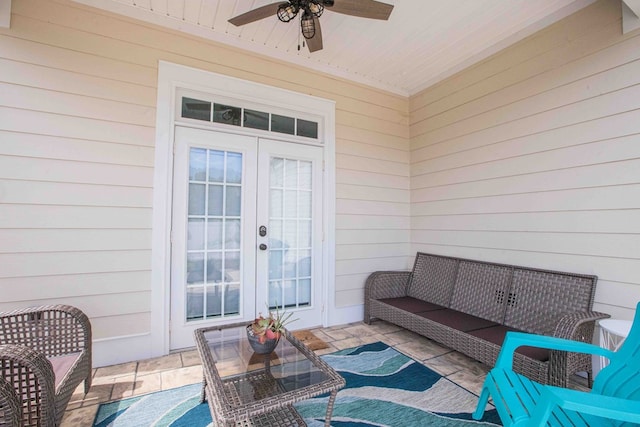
(310, 11)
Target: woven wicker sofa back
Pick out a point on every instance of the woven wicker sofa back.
(523, 298)
(538, 298)
(433, 278)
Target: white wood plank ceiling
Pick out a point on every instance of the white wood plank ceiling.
(423, 42)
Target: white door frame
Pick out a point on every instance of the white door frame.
(172, 77)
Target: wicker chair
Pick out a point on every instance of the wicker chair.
(45, 353)
(10, 410)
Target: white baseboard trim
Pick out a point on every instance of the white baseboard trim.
(122, 349)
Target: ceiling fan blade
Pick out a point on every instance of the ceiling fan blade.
(363, 8)
(315, 43)
(256, 14)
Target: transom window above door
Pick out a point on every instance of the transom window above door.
(219, 111)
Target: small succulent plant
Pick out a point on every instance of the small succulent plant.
(270, 327)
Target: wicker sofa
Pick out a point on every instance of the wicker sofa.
(469, 306)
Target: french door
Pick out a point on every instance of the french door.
(246, 231)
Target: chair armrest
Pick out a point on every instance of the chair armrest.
(569, 325)
(54, 330)
(594, 404)
(514, 340)
(10, 406)
(386, 284)
(32, 378)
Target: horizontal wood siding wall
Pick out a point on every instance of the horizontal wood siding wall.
(77, 130)
(533, 156)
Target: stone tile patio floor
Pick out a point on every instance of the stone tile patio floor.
(182, 368)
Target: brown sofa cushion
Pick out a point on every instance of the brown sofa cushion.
(457, 320)
(412, 305)
(496, 335)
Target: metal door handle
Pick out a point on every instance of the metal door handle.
(263, 247)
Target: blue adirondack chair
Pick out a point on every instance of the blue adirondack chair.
(613, 401)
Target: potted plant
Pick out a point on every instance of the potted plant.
(265, 331)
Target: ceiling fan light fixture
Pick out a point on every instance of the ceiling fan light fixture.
(316, 8)
(286, 12)
(307, 25)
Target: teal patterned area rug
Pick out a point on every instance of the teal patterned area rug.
(384, 388)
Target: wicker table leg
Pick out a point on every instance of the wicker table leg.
(332, 401)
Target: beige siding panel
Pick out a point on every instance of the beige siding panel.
(358, 120)
(68, 286)
(56, 193)
(120, 325)
(55, 263)
(622, 197)
(38, 76)
(73, 217)
(74, 127)
(449, 156)
(572, 82)
(373, 179)
(390, 250)
(349, 297)
(362, 192)
(367, 222)
(350, 237)
(623, 221)
(43, 54)
(364, 266)
(27, 98)
(366, 136)
(606, 105)
(370, 165)
(616, 293)
(363, 207)
(40, 240)
(33, 169)
(60, 148)
(348, 283)
(608, 174)
(586, 244)
(372, 151)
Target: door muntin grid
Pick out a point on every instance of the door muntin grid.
(214, 224)
(290, 248)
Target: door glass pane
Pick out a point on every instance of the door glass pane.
(216, 166)
(234, 168)
(197, 164)
(290, 221)
(214, 234)
(195, 234)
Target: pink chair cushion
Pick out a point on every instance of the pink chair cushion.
(62, 365)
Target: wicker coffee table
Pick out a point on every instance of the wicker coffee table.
(247, 389)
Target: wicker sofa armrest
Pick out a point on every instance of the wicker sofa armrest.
(386, 284)
(10, 406)
(33, 380)
(577, 326)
